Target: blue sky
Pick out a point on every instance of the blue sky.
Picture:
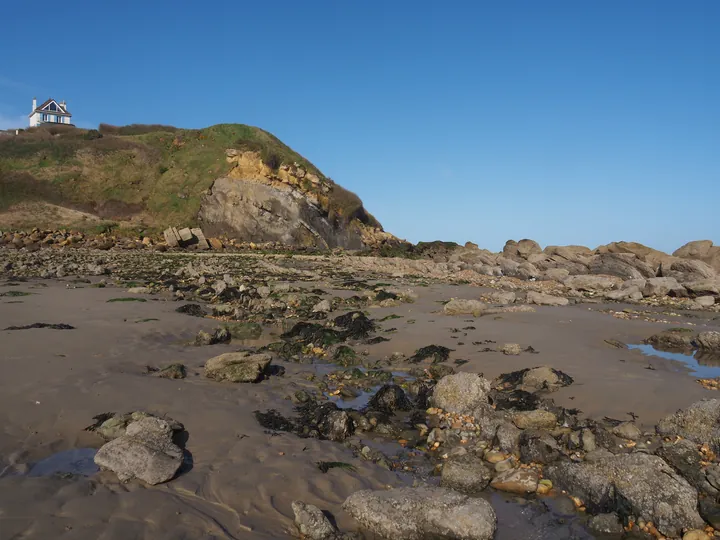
(563, 121)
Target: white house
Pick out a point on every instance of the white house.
(50, 112)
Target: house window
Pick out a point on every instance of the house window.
(52, 107)
(45, 117)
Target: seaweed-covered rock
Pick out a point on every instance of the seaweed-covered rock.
(423, 512)
(111, 425)
(173, 371)
(146, 451)
(238, 367)
(336, 425)
(467, 473)
(438, 353)
(461, 393)
(538, 447)
(390, 398)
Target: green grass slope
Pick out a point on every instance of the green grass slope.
(159, 172)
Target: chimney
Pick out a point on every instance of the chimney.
(34, 104)
(63, 105)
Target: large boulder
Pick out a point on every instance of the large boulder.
(702, 250)
(238, 367)
(146, 451)
(625, 266)
(703, 287)
(689, 270)
(522, 249)
(664, 286)
(700, 423)
(423, 512)
(461, 393)
(636, 484)
(642, 252)
(683, 455)
(592, 283)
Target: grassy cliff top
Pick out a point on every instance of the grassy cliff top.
(159, 172)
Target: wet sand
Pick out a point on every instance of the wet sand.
(243, 479)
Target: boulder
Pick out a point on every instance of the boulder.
(538, 447)
(627, 430)
(507, 438)
(624, 266)
(423, 512)
(557, 274)
(146, 451)
(324, 306)
(673, 339)
(705, 301)
(635, 484)
(537, 419)
(543, 299)
(664, 286)
(502, 297)
(172, 237)
(630, 294)
(458, 306)
(684, 457)
(642, 252)
(522, 249)
(390, 398)
(709, 286)
(336, 425)
(520, 481)
(461, 393)
(709, 341)
(238, 367)
(592, 283)
(312, 522)
(543, 378)
(685, 270)
(467, 473)
(702, 250)
(700, 423)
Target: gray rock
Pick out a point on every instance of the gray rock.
(684, 457)
(538, 447)
(700, 423)
(145, 451)
(606, 524)
(640, 484)
(587, 438)
(312, 523)
(688, 270)
(512, 349)
(390, 398)
(710, 511)
(508, 438)
(672, 339)
(627, 430)
(664, 286)
(541, 378)
(537, 419)
(467, 473)
(461, 393)
(521, 249)
(237, 367)
(709, 341)
(424, 512)
(631, 293)
(543, 299)
(520, 481)
(458, 306)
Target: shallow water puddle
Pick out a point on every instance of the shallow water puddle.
(78, 461)
(701, 365)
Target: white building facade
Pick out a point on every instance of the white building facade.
(50, 112)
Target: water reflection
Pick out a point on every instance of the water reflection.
(701, 364)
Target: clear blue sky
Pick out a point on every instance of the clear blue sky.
(562, 121)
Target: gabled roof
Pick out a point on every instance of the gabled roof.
(60, 109)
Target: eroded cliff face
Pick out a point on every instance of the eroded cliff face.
(254, 202)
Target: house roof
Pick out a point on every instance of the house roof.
(61, 110)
